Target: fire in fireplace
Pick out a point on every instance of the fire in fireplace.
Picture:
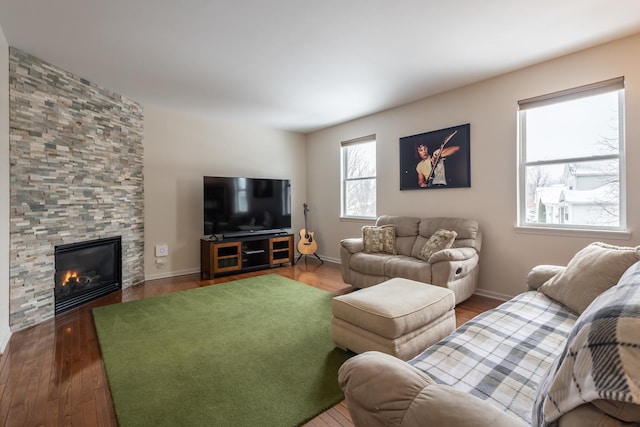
(86, 270)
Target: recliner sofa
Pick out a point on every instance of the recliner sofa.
(455, 268)
(563, 354)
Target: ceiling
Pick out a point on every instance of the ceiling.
(303, 65)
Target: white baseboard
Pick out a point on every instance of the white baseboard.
(166, 274)
(4, 339)
(331, 260)
(322, 257)
(494, 295)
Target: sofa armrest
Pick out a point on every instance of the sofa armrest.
(450, 265)
(353, 245)
(349, 247)
(588, 415)
(382, 390)
(441, 405)
(540, 274)
(453, 254)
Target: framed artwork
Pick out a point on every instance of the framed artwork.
(437, 159)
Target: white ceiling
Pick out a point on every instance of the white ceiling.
(302, 65)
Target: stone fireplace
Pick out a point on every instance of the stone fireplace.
(76, 175)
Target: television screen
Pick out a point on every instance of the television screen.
(235, 206)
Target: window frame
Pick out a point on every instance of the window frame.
(612, 85)
(344, 180)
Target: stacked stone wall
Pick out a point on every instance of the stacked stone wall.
(76, 174)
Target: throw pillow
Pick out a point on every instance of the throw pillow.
(379, 239)
(592, 271)
(599, 363)
(441, 239)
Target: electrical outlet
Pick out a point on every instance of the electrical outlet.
(162, 250)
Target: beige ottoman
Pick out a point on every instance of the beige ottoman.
(400, 317)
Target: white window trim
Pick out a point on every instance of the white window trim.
(344, 180)
(574, 232)
(620, 232)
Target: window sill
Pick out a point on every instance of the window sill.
(609, 234)
(357, 218)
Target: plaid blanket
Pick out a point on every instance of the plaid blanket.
(502, 355)
(600, 360)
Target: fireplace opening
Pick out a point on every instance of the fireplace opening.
(86, 271)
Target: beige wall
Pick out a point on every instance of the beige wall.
(4, 192)
(179, 149)
(490, 107)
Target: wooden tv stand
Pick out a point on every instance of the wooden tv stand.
(239, 254)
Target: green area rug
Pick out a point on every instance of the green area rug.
(253, 352)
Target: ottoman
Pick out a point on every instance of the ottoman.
(399, 317)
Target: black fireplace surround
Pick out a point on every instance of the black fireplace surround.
(86, 271)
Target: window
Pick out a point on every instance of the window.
(241, 202)
(359, 177)
(571, 159)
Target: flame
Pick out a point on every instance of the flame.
(68, 276)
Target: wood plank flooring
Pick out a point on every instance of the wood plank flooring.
(52, 374)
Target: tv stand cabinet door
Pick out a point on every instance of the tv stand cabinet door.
(218, 258)
(281, 250)
(227, 257)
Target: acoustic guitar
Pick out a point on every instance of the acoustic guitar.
(307, 244)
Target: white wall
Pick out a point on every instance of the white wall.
(4, 192)
(490, 107)
(179, 149)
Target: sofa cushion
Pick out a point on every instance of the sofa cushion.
(379, 239)
(406, 231)
(408, 267)
(627, 412)
(592, 271)
(369, 264)
(441, 239)
(468, 230)
(588, 415)
(540, 274)
(600, 361)
(404, 244)
(405, 225)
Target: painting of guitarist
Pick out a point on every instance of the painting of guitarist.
(431, 150)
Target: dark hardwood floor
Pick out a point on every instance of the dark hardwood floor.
(52, 374)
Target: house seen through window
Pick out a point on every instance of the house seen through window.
(571, 160)
(359, 177)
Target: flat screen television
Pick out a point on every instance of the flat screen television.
(237, 206)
